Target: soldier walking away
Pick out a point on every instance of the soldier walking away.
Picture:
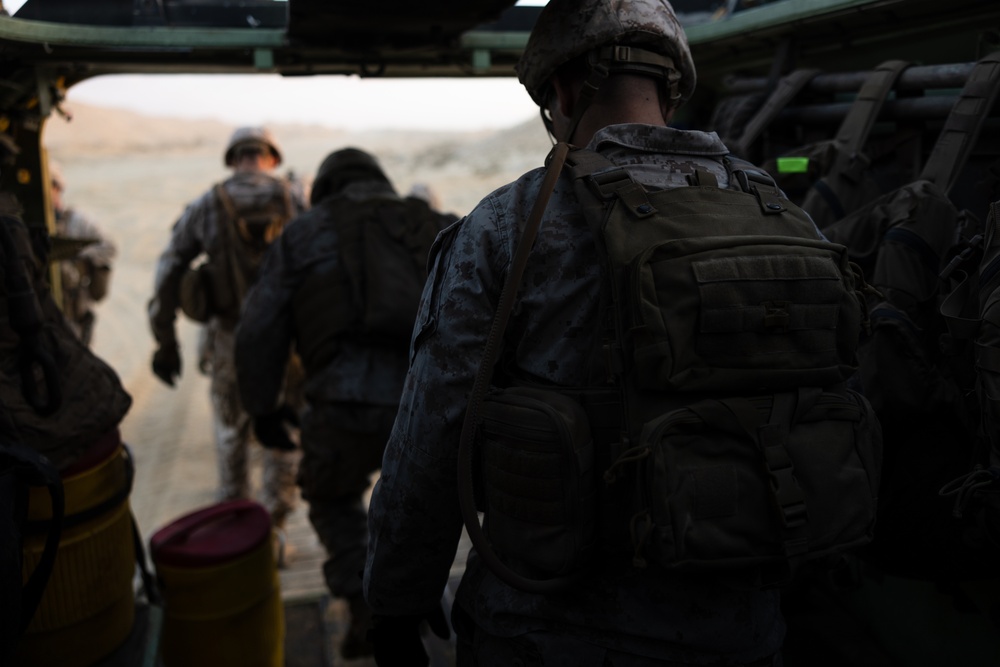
(579, 566)
(341, 284)
(212, 258)
(85, 272)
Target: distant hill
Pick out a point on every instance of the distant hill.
(103, 131)
(460, 166)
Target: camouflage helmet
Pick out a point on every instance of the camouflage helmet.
(251, 135)
(566, 29)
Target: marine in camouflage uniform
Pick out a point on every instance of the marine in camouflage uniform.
(619, 615)
(199, 232)
(352, 383)
(84, 277)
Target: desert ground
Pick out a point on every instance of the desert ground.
(132, 175)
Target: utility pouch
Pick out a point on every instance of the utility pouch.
(99, 281)
(539, 487)
(754, 482)
(196, 293)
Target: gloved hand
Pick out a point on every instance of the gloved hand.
(270, 429)
(167, 363)
(396, 639)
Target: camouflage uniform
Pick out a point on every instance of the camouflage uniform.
(197, 232)
(83, 279)
(622, 615)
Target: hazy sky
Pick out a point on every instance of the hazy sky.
(335, 101)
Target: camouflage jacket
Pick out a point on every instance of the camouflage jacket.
(198, 232)
(415, 521)
(359, 373)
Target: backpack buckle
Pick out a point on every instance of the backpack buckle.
(769, 197)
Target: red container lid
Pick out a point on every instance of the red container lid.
(212, 535)
(99, 452)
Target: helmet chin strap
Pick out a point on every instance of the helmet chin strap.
(598, 73)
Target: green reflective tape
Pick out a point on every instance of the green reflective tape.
(793, 165)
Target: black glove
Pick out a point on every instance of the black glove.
(396, 639)
(167, 363)
(271, 431)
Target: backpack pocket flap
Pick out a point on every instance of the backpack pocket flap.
(743, 314)
(745, 481)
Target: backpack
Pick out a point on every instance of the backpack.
(915, 244)
(727, 440)
(217, 287)
(831, 178)
(383, 246)
(972, 312)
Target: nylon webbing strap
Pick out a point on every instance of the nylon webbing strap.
(961, 129)
(787, 89)
(860, 119)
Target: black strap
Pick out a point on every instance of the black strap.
(962, 127)
(787, 89)
(36, 470)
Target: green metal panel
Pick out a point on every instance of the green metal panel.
(58, 34)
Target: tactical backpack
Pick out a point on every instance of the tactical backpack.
(383, 246)
(972, 313)
(216, 287)
(726, 440)
(917, 375)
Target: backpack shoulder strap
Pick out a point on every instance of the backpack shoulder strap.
(962, 127)
(860, 119)
(787, 89)
(226, 227)
(226, 201)
(597, 180)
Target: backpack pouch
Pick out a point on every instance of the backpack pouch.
(743, 313)
(539, 492)
(755, 481)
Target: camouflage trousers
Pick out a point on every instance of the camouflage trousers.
(341, 446)
(233, 438)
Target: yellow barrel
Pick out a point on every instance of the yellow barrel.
(221, 593)
(88, 607)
